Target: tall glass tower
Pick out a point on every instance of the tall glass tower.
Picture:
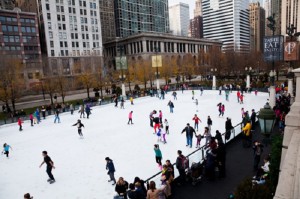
(227, 21)
(137, 16)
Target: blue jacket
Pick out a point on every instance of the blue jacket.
(110, 166)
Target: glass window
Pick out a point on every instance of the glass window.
(16, 29)
(65, 35)
(52, 53)
(51, 44)
(63, 18)
(13, 48)
(27, 20)
(22, 20)
(11, 39)
(60, 35)
(58, 17)
(57, 8)
(61, 44)
(2, 19)
(8, 19)
(49, 25)
(48, 16)
(64, 26)
(9, 28)
(4, 28)
(33, 30)
(18, 48)
(50, 34)
(14, 19)
(17, 38)
(6, 38)
(62, 9)
(28, 29)
(71, 27)
(66, 44)
(70, 10)
(32, 21)
(23, 29)
(47, 6)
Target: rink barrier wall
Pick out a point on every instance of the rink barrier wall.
(199, 155)
(12, 120)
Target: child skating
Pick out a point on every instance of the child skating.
(197, 120)
(198, 140)
(20, 122)
(159, 132)
(50, 166)
(166, 126)
(196, 102)
(164, 140)
(158, 155)
(79, 126)
(130, 117)
(6, 149)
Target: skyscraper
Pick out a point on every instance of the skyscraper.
(276, 9)
(179, 19)
(268, 12)
(198, 8)
(107, 17)
(196, 27)
(141, 16)
(257, 26)
(290, 14)
(227, 21)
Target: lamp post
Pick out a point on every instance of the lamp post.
(248, 70)
(272, 27)
(157, 80)
(214, 85)
(266, 119)
(122, 62)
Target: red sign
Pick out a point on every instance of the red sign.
(291, 51)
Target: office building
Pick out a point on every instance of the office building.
(268, 12)
(19, 39)
(107, 17)
(290, 14)
(257, 26)
(198, 8)
(276, 9)
(196, 27)
(70, 32)
(7, 4)
(227, 21)
(133, 17)
(27, 5)
(179, 19)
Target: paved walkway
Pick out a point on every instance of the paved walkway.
(239, 165)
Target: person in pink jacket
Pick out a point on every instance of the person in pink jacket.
(222, 110)
(130, 117)
(31, 119)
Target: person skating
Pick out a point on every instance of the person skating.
(116, 101)
(38, 116)
(6, 149)
(198, 138)
(87, 111)
(158, 156)
(57, 116)
(197, 120)
(209, 123)
(20, 124)
(43, 110)
(164, 140)
(130, 117)
(79, 126)
(166, 126)
(190, 131)
(131, 100)
(160, 115)
(27, 196)
(156, 123)
(31, 119)
(122, 103)
(111, 170)
(50, 166)
(193, 94)
(196, 102)
(227, 94)
(242, 99)
(171, 105)
(238, 94)
(81, 111)
(151, 117)
(220, 90)
(71, 109)
(174, 95)
(207, 135)
(158, 134)
(201, 91)
(220, 109)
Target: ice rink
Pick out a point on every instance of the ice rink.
(80, 166)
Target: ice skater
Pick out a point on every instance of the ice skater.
(43, 110)
(201, 91)
(190, 131)
(220, 109)
(111, 170)
(209, 123)
(31, 119)
(20, 122)
(207, 135)
(174, 95)
(193, 94)
(160, 115)
(57, 116)
(88, 111)
(196, 102)
(130, 117)
(171, 105)
(164, 140)
(81, 111)
(242, 99)
(151, 116)
(197, 120)
(198, 140)
(79, 126)
(50, 166)
(158, 156)
(6, 149)
(156, 123)
(131, 100)
(238, 95)
(122, 103)
(166, 126)
(159, 132)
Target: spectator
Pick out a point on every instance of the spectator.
(154, 193)
(180, 165)
(121, 187)
(247, 135)
(131, 192)
(228, 128)
(27, 196)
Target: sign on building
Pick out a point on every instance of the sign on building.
(291, 51)
(273, 48)
(121, 63)
(156, 61)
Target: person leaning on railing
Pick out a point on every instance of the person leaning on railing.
(247, 135)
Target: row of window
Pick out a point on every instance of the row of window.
(24, 29)
(4, 19)
(18, 48)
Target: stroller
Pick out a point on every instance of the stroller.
(196, 172)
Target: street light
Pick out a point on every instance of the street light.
(272, 27)
(121, 64)
(266, 119)
(156, 60)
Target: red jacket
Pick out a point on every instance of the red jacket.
(197, 119)
(20, 122)
(238, 94)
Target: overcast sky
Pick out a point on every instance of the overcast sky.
(192, 4)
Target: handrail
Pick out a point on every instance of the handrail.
(201, 148)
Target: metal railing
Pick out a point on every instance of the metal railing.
(199, 154)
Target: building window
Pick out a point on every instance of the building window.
(52, 53)
(47, 6)
(51, 44)
(48, 16)
(50, 34)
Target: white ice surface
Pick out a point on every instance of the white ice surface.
(80, 167)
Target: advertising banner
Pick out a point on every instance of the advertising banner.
(273, 48)
(121, 63)
(291, 51)
(156, 61)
